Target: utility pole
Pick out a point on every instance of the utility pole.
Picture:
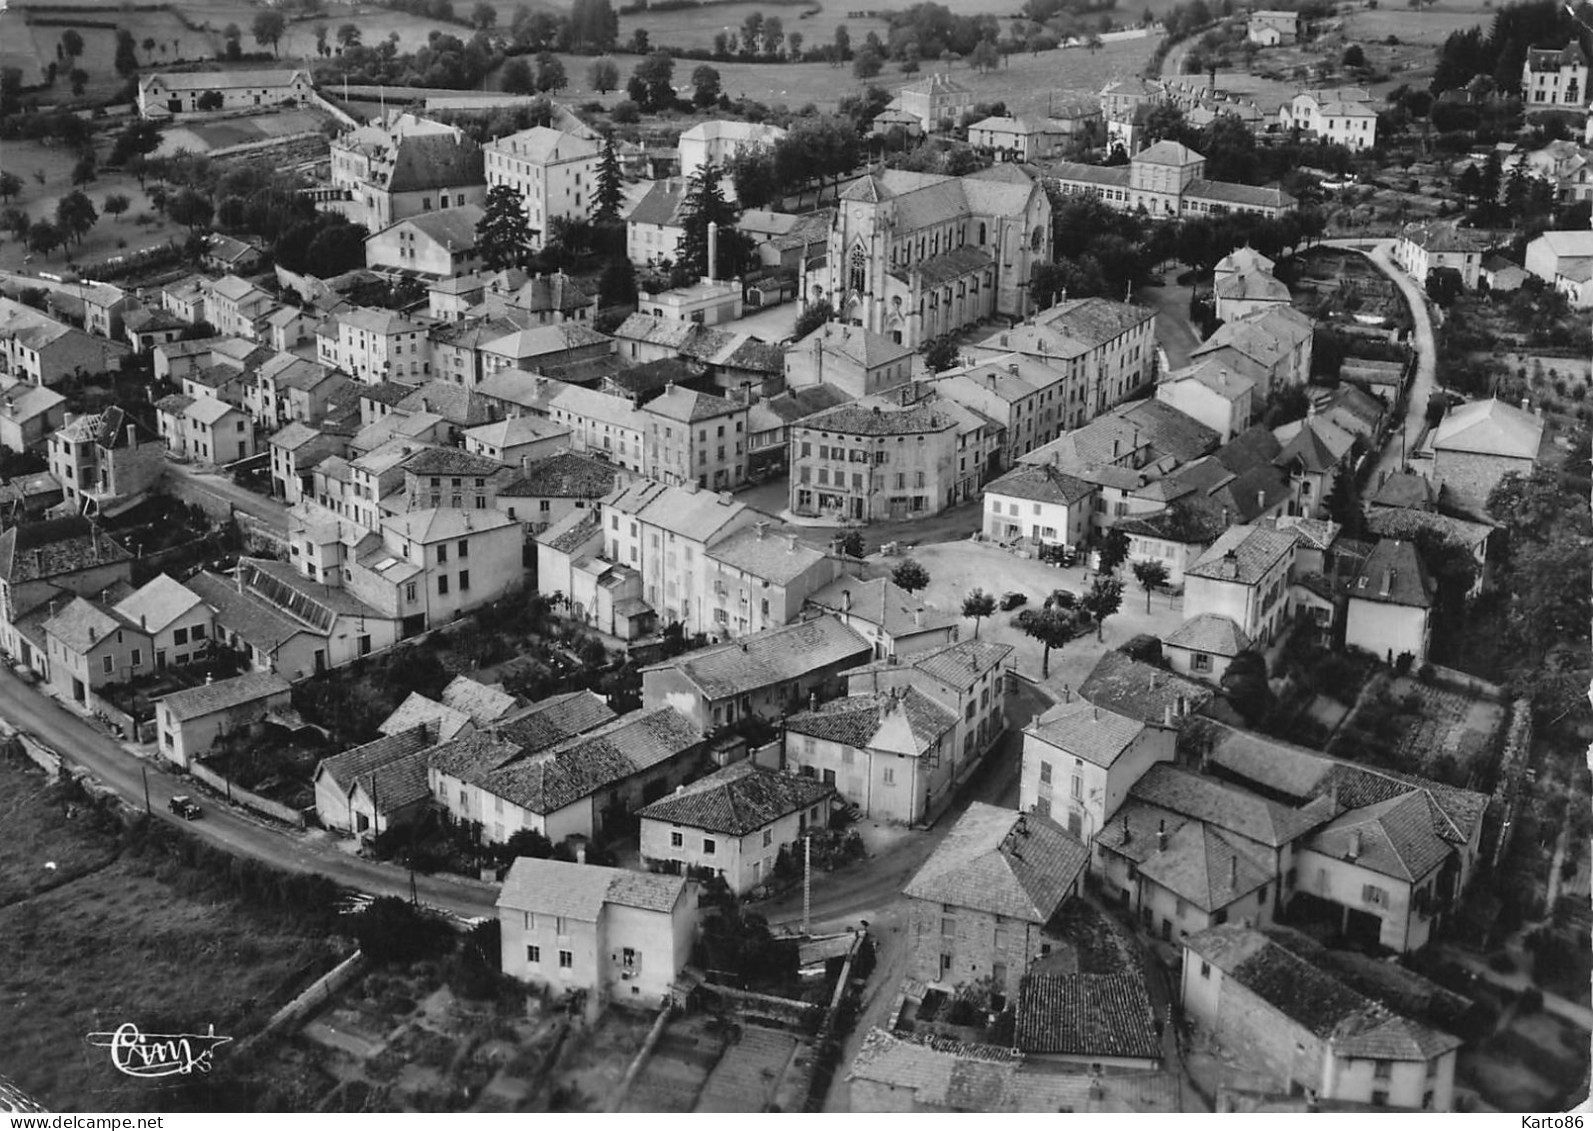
(145, 770)
(807, 885)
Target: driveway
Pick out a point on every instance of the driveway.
(1402, 440)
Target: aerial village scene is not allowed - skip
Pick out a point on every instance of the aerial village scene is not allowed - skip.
(745, 557)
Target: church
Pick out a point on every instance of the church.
(913, 256)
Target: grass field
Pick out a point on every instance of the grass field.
(695, 27)
(133, 941)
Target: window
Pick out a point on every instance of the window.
(1045, 771)
(109, 664)
(442, 555)
(1376, 896)
(566, 960)
(628, 957)
(708, 846)
(889, 776)
(1380, 1099)
(464, 548)
(676, 840)
(198, 632)
(179, 636)
(138, 657)
(464, 580)
(561, 925)
(948, 926)
(409, 591)
(1383, 1070)
(1078, 788)
(1200, 662)
(533, 955)
(442, 585)
(768, 837)
(1205, 970)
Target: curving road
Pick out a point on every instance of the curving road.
(1402, 441)
(225, 827)
(202, 487)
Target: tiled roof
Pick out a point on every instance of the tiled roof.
(579, 891)
(55, 546)
(1202, 865)
(947, 266)
(1168, 153)
(661, 205)
(432, 161)
(1254, 196)
(252, 619)
(82, 624)
(1398, 522)
(1396, 837)
(514, 431)
(397, 784)
(1225, 806)
(1315, 443)
(571, 532)
(1042, 483)
(224, 694)
(881, 602)
(1209, 632)
(1456, 812)
(161, 600)
(778, 558)
(417, 709)
(434, 524)
(768, 658)
(1490, 427)
(482, 703)
(344, 768)
(1021, 865)
(700, 516)
(961, 664)
(224, 80)
(567, 475)
(1254, 549)
(689, 406)
(1215, 376)
(1393, 575)
(556, 719)
(450, 461)
(907, 722)
(455, 228)
(1258, 760)
(1086, 731)
(1131, 687)
(476, 755)
(875, 417)
(454, 403)
(1087, 1015)
(1406, 490)
(737, 800)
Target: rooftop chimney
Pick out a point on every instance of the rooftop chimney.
(132, 436)
(1225, 517)
(1167, 715)
(1127, 835)
(1161, 835)
(813, 700)
(725, 498)
(38, 561)
(1067, 694)
(762, 528)
(1526, 404)
(1233, 872)
(918, 617)
(713, 247)
(1261, 501)
(1355, 845)
(846, 600)
(791, 542)
(93, 634)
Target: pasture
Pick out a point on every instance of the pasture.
(695, 27)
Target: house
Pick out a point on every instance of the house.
(554, 171)
(706, 302)
(1176, 536)
(734, 823)
(655, 226)
(784, 241)
(1555, 78)
(518, 441)
(236, 306)
(1500, 275)
(1476, 445)
(1213, 394)
(1203, 647)
(44, 562)
(296, 449)
(1243, 577)
(1091, 1021)
(1286, 1017)
(206, 430)
(374, 345)
(171, 93)
(410, 166)
(1271, 28)
(851, 358)
(1039, 503)
(104, 462)
(755, 580)
(28, 414)
(38, 350)
(981, 903)
(763, 675)
(432, 245)
(28, 497)
(381, 774)
(1014, 139)
(917, 255)
(1432, 246)
(548, 489)
(1408, 523)
(88, 647)
(147, 328)
(103, 308)
(535, 730)
(1271, 346)
(1098, 752)
(1333, 117)
(1120, 683)
(1019, 392)
(1167, 179)
(934, 101)
(695, 437)
(604, 932)
(1316, 452)
(230, 256)
(190, 722)
(289, 387)
(1564, 260)
(1246, 292)
(895, 622)
(610, 427)
(1391, 604)
(716, 142)
(180, 625)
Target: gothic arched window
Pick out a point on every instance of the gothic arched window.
(1037, 240)
(859, 275)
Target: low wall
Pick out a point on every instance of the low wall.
(317, 992)
(1460, 681)
(41, 755)
(333, 109)
(786, 1011)
(273, 809)
(269, 143)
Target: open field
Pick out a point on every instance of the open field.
(695, 27)
(139, 940)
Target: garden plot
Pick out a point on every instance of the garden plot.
(1449, 725)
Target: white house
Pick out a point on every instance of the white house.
(1203, 646)
(1427, 246)
(1337, 117)
(189, 722)
(171, 93)
(1213, 394)
(1555, 77)
(180, 625)
(1040, 505)
(1269, 28)
(1244, 576)
(1079, 761)
(717, 141)
(554, 171)
(1391, 604)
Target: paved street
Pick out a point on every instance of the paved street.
(208, 488)
(1174, 331)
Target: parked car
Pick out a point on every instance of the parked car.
(185, 807)
(1013, 600)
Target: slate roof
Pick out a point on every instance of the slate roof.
(160, 601)
(1209, 632)
(880, 601)
(1255, 550)
(1020, 865)
(223, 694)
(435, 160)
(55, 546)
(739, 799)
(1398, 564)
(947, 266)
(778, 558)
(1041, 483)
(579, 891)
(1087, 1015)
(1131, 687)
(768, 658)
(1229, 192)
(567, 475)
(1086, 731)
(358, 761)
(1490, 427)
(661, 205)
(1226, 806)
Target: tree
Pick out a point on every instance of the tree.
(603, 75)
(210, 100)
(940, 354)
(977, 605)
(985, 57)
(148, 45)
(617, 285)
(1114, 550)
(503, 233)
(851, 542)
(321, 32)
(773, 34)
(115, 204)
(517, 77)
(269, 27)
(814, 315)
(1354, 56)
(1245, 684)
(910, 575)
(79, 80)
(483, 16)
(15, 221)
(641, 42)
(349, 36)
(550, 73)
(1103, 600)
(751, 32)
(705, 86)
(1150, 574)
(656, 74)
(867, 63)
(843, 44)
(44, 237)
(190, 208)
(1053, 626)
(126, 52)
(609, 192)
(10, 185)
(72, 43)
(703, 203)
(75, 215)
(794, 44)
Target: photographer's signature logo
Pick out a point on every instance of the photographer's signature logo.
(149, 1055)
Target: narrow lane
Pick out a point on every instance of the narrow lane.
(188, 483)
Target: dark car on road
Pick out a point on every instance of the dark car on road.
(1013, 600)
(185, 807)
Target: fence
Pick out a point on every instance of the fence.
(317, 992)
(263, 805)
(1512, 766)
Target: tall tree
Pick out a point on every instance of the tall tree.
(657, 76)
(617, 285)
(10, 185)
(976, 606)
(910, 575)
(1103, 600)
(321, 32)
(604, 75)
(705, 86)
(843, 43)
(349, 35)
(1053, 626)
(703, 203)
(1114, 550)
(75, 215)
(1151, 574)
(126, 52)
(517, 77)
(483, 16)
(609, 193)
(44, 237)
(190, 208)
(550, 73)
(503, 232)
(269, 27)
(72, 43)
(115, 204)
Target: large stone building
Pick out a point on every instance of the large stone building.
(915, 255)
(168, 94)
(1555, 77)
(1168, 179)
(555, 173)
(383, 174)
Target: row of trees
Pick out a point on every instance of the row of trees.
(1501, 53)
(815, 149)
